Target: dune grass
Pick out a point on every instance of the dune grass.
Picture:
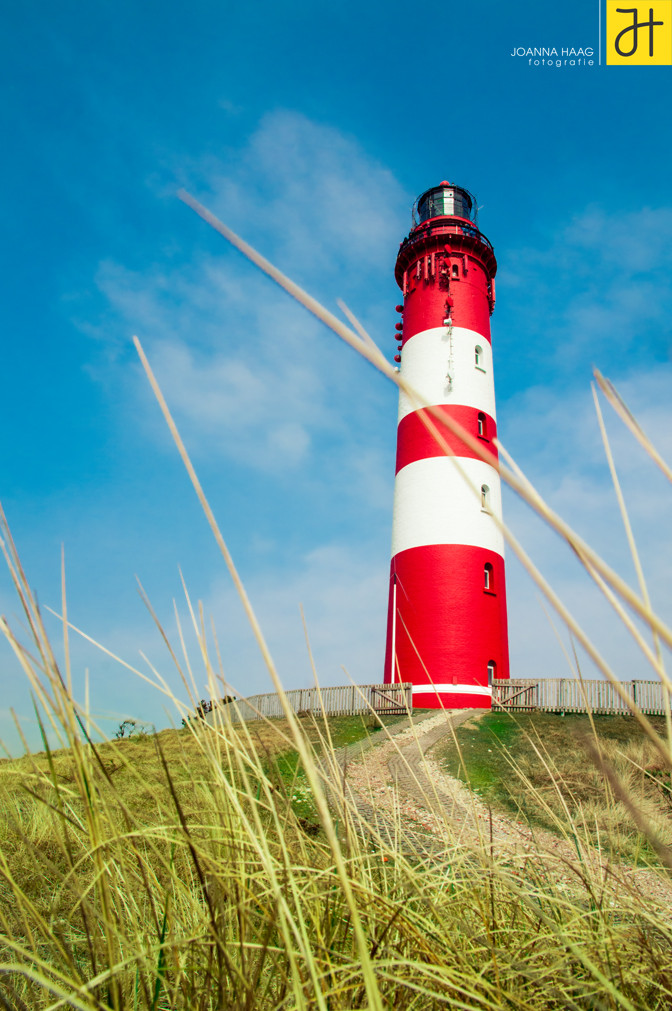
(538, 768)
(176, 872)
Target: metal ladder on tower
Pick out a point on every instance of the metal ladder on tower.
(450, 374)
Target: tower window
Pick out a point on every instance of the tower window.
(455, 271)
(488, 577)
(478, 356)
(482, 422)
(485, 499)
(492, 671)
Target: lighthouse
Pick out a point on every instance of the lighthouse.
(446, 627)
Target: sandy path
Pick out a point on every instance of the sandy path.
(399, 783)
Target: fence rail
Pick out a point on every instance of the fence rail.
(343, 700)
(569, 695)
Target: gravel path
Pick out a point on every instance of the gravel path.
(405, 797)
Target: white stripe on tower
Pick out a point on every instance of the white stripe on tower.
(439, 501)
(425, 366)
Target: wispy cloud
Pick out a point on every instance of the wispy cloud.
(597, 292)
(317, 199)
(241, 365)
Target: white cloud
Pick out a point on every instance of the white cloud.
(246, 371)
(313, 193)
(239, 405)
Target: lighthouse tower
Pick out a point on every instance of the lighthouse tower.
(446, 629)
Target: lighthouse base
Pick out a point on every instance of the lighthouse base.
(446, 629)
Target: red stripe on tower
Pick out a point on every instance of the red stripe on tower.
(446, 628)
(416, 440)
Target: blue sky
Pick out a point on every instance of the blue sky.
(310, 129)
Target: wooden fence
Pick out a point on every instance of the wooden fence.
(569, 695)
(551, 695)
(343, 700)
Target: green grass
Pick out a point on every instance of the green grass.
(537, 767)
(341, 731)
(344, 730)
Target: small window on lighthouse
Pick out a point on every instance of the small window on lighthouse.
(492, 671)
(488, 577)
(456, 272)
(485, 499)
(482, 425)
(478, 356)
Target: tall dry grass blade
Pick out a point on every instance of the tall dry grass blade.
(659, 665)
(161, 630)
(373, 993)
(333, 322)
(160, 685)
(192, 689)
(603, 584)
(212, 522)
(358, 327)
(316, 681)
(643, 645)
(605, 588)
(625, 414)
(623, 508)
(66, 643)
(585, 640)
(663, 852)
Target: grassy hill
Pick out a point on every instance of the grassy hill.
(182, 871)
(548, 770)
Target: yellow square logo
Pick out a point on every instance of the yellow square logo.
(640, 34)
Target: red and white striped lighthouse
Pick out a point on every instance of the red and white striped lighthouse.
(446, 630)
